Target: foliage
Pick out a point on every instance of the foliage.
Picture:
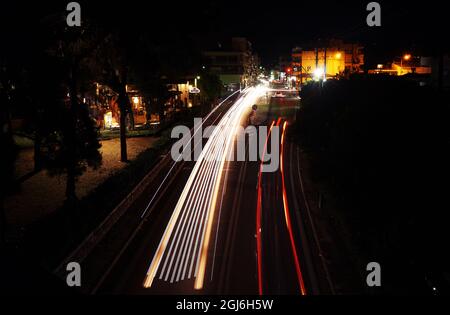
(63, 123)
(210, 86)
(381, 145)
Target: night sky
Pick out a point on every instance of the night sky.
(273, 27)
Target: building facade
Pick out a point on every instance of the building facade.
(326, 59)
(235, 63)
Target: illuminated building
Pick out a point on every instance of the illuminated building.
(325, 60)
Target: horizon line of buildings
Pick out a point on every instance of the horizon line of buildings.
(334, 58)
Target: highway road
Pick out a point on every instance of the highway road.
(215, 226)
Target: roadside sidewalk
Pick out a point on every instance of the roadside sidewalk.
(42, 194)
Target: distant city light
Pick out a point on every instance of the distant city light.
(338, 55)
(407, 56)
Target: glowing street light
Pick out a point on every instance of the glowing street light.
(405, 57)
(318, 74)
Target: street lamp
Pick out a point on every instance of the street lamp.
(405, 57)
(318, 74)
(194, 97)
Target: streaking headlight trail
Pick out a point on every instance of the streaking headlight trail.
(182, 252)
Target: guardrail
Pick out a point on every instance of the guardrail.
(88, 244)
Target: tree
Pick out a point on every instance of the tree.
(251, 70)
(158, 94)
(160, 61)
(211, 88)
(379, 145)
(73, 143)
(151, 73)
(6, 142)
(115, 60)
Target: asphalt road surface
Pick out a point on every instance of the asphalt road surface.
(215, 226)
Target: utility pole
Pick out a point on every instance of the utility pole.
(301, 77)
(440, 70)
(317, 57)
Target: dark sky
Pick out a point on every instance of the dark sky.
(273, 27)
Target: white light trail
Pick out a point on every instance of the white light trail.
(185, 241)
(179, 158)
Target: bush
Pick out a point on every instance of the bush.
(381, 145)
(53, 237)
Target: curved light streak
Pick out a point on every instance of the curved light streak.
(186, 239)
(258, 216)
(288, 218)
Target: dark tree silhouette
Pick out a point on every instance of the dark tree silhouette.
(74, 142)
(114, 64)
(9, 150)
(380, 145)
(211, 88)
